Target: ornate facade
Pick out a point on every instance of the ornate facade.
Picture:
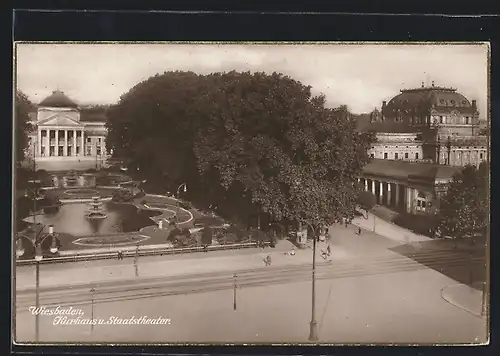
(429, 124)
(66, 133)
(423, 136)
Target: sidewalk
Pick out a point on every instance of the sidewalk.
(154, 267)
(464, 297)
(388, 229)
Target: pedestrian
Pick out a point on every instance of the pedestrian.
(328, 250)
(359, 231)
(346, 223)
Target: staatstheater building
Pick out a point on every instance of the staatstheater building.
(66, 135)
(424, 135)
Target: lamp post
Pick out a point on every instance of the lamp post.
(313, 327)
(184, 186)
(92, 290)
(234, 292)
(37, 244)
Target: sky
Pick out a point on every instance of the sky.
(360, 76)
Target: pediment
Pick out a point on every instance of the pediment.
(60, 120)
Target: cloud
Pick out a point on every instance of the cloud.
(360, 76)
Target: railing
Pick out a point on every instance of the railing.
(134, 252)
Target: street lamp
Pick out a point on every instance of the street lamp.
(313, 328)
(37, 244)
(183, 185)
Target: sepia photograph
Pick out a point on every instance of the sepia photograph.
(251, 193)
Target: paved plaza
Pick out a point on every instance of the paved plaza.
(366, 292)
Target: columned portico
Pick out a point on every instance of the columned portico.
(60, 142)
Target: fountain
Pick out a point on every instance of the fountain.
(71, 179)
(96, 210)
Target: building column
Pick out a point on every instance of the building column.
(408, 199)
(39, 143)
(48, 142)
(373, 187)
(83, 144)
(74, 143)
(397, 194)
(366, 184)
(56, 148)
(388, 194)
(65, 143)
(381, 193)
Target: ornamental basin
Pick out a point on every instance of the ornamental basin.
(71, 219)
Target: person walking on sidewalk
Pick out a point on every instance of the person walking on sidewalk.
(267, 260)
(359, 231)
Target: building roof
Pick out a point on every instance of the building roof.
(440, 98)
(408, 170)
(97, 114)
(58, 100)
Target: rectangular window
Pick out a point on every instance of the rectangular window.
(98, 151)
(416, 155)
(418, 203)
(385, 155)
(89, 151)
(480, 156)
(396, 156)
(423, 204)
(99, 140)
(406, 155)
(88, 139)
(372, 155)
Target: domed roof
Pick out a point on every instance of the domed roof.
(58, 100)
(428, 97)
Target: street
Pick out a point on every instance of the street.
(379, 298)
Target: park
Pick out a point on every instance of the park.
(218, 209)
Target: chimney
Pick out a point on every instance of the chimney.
(384, 103)
(474, 105)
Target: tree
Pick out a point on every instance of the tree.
(274, 146)
(366, 200)
(464, 209)
(249, 144)
(23, 107)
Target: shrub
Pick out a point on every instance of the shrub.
(366, 200)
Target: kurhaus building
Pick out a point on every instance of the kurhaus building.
(66, 135)
(424, 135)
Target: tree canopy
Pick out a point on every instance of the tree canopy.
(464, 209)
(245, 143)
(23, 106)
